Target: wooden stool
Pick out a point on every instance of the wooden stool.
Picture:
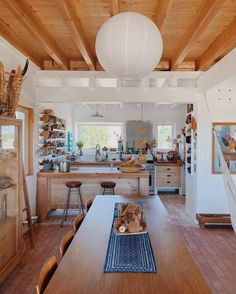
(72, 185)
(108, 186)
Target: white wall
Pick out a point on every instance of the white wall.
(113, 113)
(210, 189)
(11, 58)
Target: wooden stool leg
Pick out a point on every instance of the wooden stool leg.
(103, 191)
(81, 201)
(113, 191)
(64, 218)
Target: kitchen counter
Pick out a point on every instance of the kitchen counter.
(167, 163)
(112, 172)
(95, 163)
(52, 191)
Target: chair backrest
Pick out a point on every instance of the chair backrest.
(65, 242)
(89, 203)
(77, 222)
(46, 274)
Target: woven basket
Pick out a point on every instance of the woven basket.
(10, 89)
(130, 169)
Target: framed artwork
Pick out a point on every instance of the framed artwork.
(226, 134)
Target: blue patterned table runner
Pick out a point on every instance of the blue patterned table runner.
(130, 253)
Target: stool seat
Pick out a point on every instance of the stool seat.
(73, 184)
(108, 185)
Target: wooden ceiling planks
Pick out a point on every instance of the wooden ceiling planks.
(114, 7)
(163, 8)
(222, 19)
(72, 20)
(7, 33)
(16, 32)
(23, 11)
(218, 46)
(206, 12)
(178, 18)
(63, 36)
(50, 15)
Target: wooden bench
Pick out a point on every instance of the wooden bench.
(216, 219)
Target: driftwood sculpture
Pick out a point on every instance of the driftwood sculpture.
(130, 219)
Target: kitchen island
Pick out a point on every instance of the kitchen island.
(52, 191)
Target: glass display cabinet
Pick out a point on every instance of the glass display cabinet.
(11, 240)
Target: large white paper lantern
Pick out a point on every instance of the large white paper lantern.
(129, 45)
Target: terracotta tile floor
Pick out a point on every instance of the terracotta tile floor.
(213, 249)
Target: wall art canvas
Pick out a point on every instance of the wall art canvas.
(226, 134)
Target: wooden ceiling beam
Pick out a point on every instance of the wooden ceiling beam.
(68, 12)
(7, 33)
(162, 11)
(218, 47)
(25, 14)
(206, 12)
(82, 65)
(114, 7)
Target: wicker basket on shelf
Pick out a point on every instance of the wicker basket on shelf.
(10, 89)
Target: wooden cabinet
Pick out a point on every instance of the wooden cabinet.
(168, 176)
(11, 241)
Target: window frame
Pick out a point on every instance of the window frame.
(29, 135)
(91, 150)
(173, 127)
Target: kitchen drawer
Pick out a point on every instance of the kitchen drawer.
(168, 169)
(7, 242)
(168, 180)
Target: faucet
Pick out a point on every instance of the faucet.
(97, 154)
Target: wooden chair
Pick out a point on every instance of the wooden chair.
(77, 222)
(65, 242)
(46, 274)
(89, 204)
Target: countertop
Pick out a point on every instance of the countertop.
(165, 163)
(88, 172)
(95, 163)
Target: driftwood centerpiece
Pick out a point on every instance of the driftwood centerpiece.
(130, 219)
(10, 89)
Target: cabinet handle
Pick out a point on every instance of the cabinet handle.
(168, 169)
(168, 182)
(168, 175)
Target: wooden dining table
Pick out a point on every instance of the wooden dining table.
(81, 269)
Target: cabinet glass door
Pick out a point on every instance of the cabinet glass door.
(10, 187)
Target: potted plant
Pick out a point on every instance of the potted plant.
(80, 145)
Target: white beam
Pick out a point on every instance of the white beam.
(156, 105)
(86, 104)
(222, 70)
(103, 74)
(173, 81)
(174, 105)
(133, 95)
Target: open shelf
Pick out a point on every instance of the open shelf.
(51, 129)
(189, 133)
